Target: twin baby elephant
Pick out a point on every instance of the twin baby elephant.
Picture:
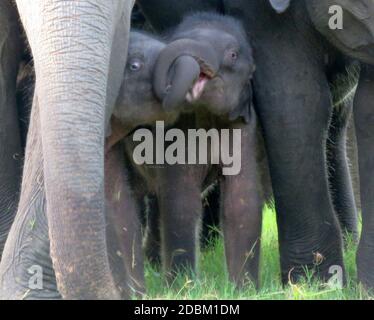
(190, 81)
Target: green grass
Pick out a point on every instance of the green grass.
(212, 281)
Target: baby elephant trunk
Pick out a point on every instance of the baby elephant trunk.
(178, 68)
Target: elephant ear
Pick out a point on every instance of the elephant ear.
(280, 6)
(245, 104)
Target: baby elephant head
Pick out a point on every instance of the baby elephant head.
(136, 104)
(208, 64)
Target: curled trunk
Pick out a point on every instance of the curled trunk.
(185, 72)
(175, 61)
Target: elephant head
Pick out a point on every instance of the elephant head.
(213, 56)
(357, 37)
(357, 17)
(136, 104)
(74, 45)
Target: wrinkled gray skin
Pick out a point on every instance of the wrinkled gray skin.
(176, 190)
(65, 155)
(291, 41)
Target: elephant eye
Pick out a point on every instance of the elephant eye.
(231, 57)
(135, 65)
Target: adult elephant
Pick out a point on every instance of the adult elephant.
(73, 43)
(293, 46)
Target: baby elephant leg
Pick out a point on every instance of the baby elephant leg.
(241, 213)
(180, 211)
(124, 239)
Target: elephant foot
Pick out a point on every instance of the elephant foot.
(181, 261)
(320, 259)
(365, 264)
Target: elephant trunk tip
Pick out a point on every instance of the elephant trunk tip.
(183, 75)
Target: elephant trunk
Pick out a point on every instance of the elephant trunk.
(185, 71)
(72, 58)
(179, 66)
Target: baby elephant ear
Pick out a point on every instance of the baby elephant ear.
(280, 6)
(242, 111)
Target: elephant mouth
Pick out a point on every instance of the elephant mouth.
(198, 87)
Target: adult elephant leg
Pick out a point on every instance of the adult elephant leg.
(123, 225)
(294, 106)
(26, 268)
(364, 117)
(341, 185)
(72, 58)
(11, 152)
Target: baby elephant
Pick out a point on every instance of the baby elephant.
(219, 94)
(136, 106)
(203, 76)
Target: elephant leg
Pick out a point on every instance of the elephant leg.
(294, 107)
(76, 64)
(123, 220)
(241, 215)
(338, 169)
(152, 241)
(26, 270)
(11, 152)
(180, 213)
(364, 117)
